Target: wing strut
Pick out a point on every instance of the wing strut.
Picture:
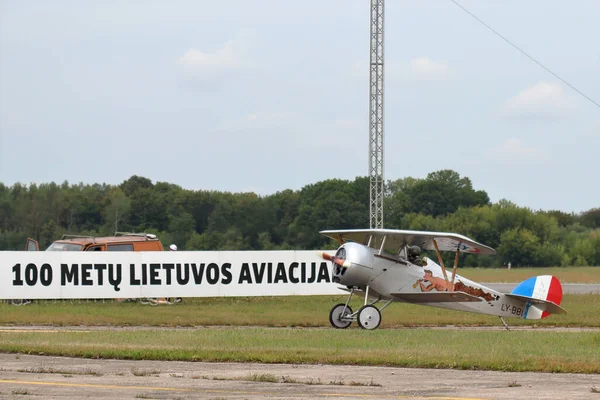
(439, 256)
(382, 245)
(455, 266)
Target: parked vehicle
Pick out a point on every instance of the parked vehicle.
(121, 241)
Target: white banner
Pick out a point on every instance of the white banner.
(105, 275)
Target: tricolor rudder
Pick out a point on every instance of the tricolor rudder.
(543, 287)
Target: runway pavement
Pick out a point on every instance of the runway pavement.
(28, 376)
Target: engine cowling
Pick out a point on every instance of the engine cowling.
(353, 264)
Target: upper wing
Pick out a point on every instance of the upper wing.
(395, 239)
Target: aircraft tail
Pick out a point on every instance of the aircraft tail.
(542, 294)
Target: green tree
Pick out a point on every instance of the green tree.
(135, 183)
(117, 210)
(181, 228)
(550, 255)
(544, 226)
(148, 209)
(595, 239)
(562, 218)
(441, 193)
(519, 247)
(211, 220)
(591, 218)
(286, 206)
(331, 204)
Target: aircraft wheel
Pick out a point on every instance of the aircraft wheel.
(335, 316)
(369, 317)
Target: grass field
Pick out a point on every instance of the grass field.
(309, 311)
(237, 329)
(491, 350)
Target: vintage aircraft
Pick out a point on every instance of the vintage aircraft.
(386, 265)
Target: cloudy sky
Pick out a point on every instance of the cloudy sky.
(266, 95)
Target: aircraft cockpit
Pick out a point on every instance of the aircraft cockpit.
(413, 255)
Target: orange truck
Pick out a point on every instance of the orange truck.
(121, 241)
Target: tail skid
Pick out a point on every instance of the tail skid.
(542, 295)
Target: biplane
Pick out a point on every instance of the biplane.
(387, 265)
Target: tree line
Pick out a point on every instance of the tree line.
(290, 219)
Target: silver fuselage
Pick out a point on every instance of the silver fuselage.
(388, 275)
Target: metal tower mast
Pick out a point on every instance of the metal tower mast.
(376, 115)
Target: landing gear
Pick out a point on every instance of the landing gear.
(369, 317)
(340, 316)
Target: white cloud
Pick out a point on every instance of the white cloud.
(209, 64)
(514, 149)
(425, 69)
(540, 100)
(221, 58)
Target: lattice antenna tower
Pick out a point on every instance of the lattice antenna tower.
(376, 115)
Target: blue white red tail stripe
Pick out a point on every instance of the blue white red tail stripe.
(544, 287)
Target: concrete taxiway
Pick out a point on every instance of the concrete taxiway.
(22, 376)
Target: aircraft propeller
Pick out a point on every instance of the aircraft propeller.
(336, 260)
